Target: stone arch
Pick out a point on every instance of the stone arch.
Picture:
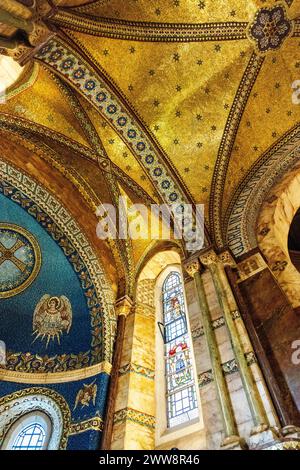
(136, 411)
(17, 405)
(243, 210)
(274, 221)
(63, 219)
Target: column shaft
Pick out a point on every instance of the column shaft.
(257, 410)
(16, 22)
(267, 371)
(123, 307)
(220, 383)
(112, 392)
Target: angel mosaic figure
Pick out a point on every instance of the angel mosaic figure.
(52, 316)
(86, 394)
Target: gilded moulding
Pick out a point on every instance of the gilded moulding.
(92, 424)
(27, 78)
(55, 377)
(230, 132)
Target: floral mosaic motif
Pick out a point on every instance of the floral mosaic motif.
(218, 323)
(229, 367)
(129, 414)
(95, 424)
(270, 28)
(33, 363)
(137, 369)
(279, 266)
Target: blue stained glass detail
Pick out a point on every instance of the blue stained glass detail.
(182, 403)
(30, 438)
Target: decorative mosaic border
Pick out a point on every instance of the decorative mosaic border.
(91, 5)
(75, 70)
(243, 209)
(94, 424)
(229, 367)
(136, 369)
(153, 32)
(129, 414)
(23, 127)
(227, 142)
(124, 246)
(296, 28)
(54, 218)
(38, 378)
(198, 332)
(92, 83)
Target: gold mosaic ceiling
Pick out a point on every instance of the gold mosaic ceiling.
(183, 91)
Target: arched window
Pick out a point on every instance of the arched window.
(182, 405)
(30, 438)
(32, 431)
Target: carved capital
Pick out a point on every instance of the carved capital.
(31, 30)
(209, 258)
(227, 259)
(123, 306)
(193, 267)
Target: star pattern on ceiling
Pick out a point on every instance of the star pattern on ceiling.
(185, 94)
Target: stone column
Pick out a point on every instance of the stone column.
(123, 307)
(216, 268)
(232, 438)
(7, 43)
(32, 27)
(134, 413)
(14, 18)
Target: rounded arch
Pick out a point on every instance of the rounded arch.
(15, 409)
(154, 248)
(96, 281)
(243, 210)
(273, 226)
(150, 280)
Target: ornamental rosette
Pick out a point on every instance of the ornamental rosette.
(270, 28)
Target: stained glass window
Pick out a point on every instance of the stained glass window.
(181, 392)
(30, 438)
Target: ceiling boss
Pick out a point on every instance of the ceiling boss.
(270, 28)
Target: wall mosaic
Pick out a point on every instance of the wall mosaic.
(76, 424)
(135, 416)
(77, 71)
(229, 367)
(49, 213)
(20, 259)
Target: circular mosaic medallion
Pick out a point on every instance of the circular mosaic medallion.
(20, 259)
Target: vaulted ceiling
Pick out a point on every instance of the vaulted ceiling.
(191, 73)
